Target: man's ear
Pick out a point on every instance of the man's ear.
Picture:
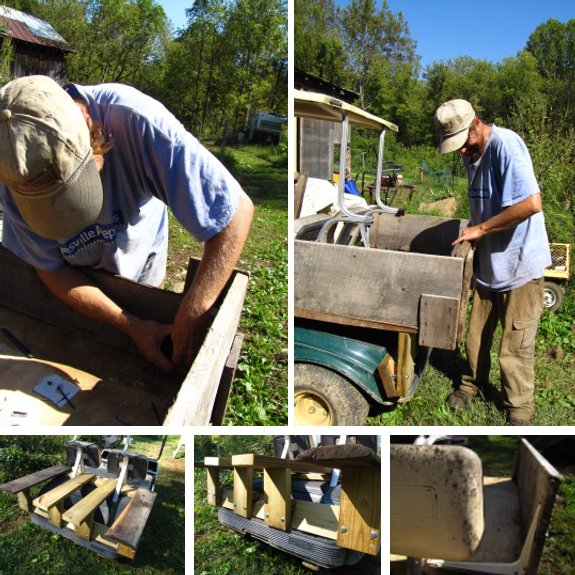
(85, 113)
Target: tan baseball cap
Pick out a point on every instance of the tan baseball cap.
(46, 158)
(452, 120)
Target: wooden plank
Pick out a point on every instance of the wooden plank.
(360, 509)
(117, 386)
(87, 505)
(299, 192)
(243, 479)
(195, 400)
(144, 301)
(415, 233)
(226, 380)
(224, 462)
(386, 286)
(213, 485)
(387, 374)
(342, 456)
(127, 529)
(351, 321)
(316, 518)
(59, 493)
(263, 461)
(405, 362)
(438, 322)
(277, 503)
(33, 479)
(537, 483)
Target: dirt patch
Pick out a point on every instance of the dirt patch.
(177, 466)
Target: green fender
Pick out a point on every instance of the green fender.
(354, 359)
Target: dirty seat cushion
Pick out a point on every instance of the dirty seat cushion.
(436, 501)
(503, 537)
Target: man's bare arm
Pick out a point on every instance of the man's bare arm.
(77, 291)
(221, 254)
(508, 218)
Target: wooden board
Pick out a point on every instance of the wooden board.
(33, 479)
(439, 316)
(317, 518)
(360, 509)
(263, 461)
(277, 502)
(201, 384)
(385, 286)
(54, 496)
(129, 526)
(78, 513)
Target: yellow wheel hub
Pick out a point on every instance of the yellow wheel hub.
(311, 409)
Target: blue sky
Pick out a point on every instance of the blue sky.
(176, 11)
(485, 29)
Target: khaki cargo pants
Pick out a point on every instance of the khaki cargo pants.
(518, 311)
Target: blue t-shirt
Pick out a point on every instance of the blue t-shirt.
(502, 177)
(154, 163)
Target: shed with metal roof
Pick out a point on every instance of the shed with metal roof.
(37, 47)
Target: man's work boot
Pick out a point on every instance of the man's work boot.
(459, 400)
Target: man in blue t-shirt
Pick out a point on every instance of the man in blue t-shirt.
(507, 232)
(90, 172)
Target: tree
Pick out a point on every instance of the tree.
(318, 47)
(553, 46)
(370, 36)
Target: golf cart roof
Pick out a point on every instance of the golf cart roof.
(322, 107)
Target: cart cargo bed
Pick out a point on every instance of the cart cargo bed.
(410, 280)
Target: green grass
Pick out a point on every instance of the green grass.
(259, 393)
(26, 548)
(555, 356)
(554, 389)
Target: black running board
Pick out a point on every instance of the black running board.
(318, 550)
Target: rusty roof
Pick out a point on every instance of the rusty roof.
(27, 28)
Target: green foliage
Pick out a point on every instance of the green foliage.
(24, 454)
(6, 57)
(556, 330)
(228, 445)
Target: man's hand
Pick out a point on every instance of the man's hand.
(148, 336)
(471, 234)
(77, 291)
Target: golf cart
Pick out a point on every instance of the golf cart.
(374, 291)
(317, 499)
(101, 499)
(556, 276)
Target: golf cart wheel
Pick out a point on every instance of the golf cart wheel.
(552, 296)
(323, 397)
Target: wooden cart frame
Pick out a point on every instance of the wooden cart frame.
(117, 384)
(78, 523)
(354, 524)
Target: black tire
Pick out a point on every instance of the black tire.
(323, 397)
(552, 296)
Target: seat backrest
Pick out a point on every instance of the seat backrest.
(436, 501)
(538, 483)
(90, 452)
